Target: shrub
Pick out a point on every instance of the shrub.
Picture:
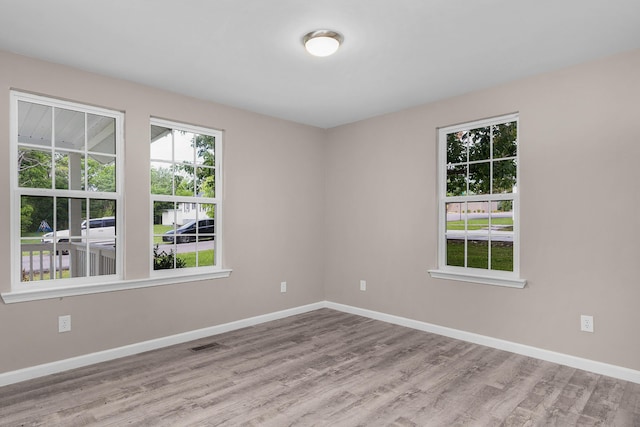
(163, 260)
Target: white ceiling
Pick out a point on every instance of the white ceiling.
(249, 54)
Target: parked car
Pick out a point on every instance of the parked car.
(188, 233)
(107, 221)
(102, 230)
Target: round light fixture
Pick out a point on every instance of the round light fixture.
(322, 42)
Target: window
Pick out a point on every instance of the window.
(65, 175)
(478, 202)
(185, 197)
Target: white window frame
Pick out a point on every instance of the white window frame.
(212, 271)
(47, 286)
(467, 274)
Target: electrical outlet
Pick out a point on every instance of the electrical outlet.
(283, 286)
(363, 285)
(586, 323)
(64, 323)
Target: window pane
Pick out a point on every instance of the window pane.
(185, 236)
(36, 217)
(101, 173)
(456, 180)
(102, 208)
(102, 258)
(502, 255)
(43, 258)
(506, 206)
(479, 178)
(478, 143)
(478, 217)
(504, 176)
(502, 217)
(69, 129)
(161, 143)
(34, 124)
(456, 150)
(478, 253)
(205, 252)
(164, 258)
(502, 236)
(455, 252)
(505, 140)
(39, 262)
(456, 214)
(205, 145)
(207, 210)
(69, 170)
(164, 218)
(206, 182)
(78, 258)
(185, 180)
(69, 211)
(183, 144)
(34, 168)
(161, 178)
(101, 134)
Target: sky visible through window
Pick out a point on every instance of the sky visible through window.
(161, 147)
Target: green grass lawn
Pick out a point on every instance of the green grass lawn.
(478, 254)
(480, 223)
(204, 259)
(160, 229)
(32, 237)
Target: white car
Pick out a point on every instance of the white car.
(101, 230)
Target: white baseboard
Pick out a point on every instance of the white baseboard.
(129, 350)
(525, 350)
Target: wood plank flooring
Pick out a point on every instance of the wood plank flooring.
(323, 368)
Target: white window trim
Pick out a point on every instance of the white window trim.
(88, 289)
(194, 271)
(465, 274)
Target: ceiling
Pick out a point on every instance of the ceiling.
(249, 54)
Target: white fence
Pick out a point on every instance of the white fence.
(39, 261)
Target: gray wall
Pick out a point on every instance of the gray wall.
(324, 209)
(273, 195)
(579, 202)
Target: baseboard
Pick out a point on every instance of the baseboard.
(129, 350)
(525, 350)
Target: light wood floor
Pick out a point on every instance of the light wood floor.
(324, 368)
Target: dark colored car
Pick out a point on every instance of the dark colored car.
(187, 233)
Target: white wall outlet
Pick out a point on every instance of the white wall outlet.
(64, 323)
(363, 285)
(586, 323)
(283, 286)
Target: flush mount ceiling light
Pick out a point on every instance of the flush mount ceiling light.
(322, 42)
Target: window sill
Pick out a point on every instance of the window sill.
(86, 289)
(475, 278)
